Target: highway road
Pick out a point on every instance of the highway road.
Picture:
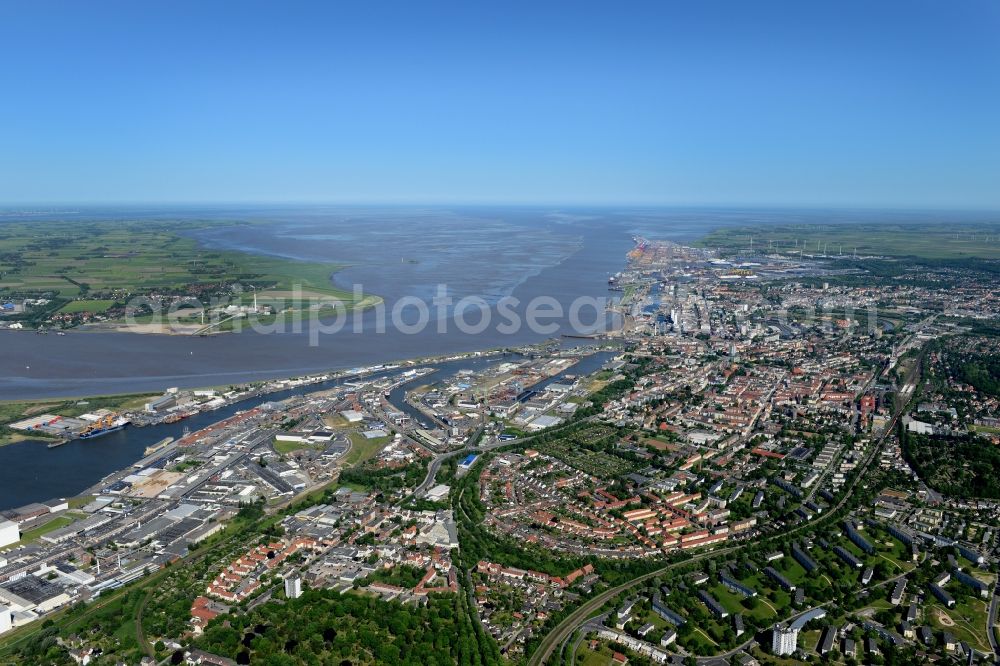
(435, 464)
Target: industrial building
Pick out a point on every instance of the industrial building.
(9, 533)
(34, 594)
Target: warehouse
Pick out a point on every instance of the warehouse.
(9, 533)
(34, 594)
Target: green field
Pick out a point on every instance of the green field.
(990, 430)
(898, 555)
(928, 241)
(288, 447)
(969, 618)
(734, 603)
(87, 305)
(699, 642)
(87, 265)
(54, 524)
(587, 657)
(363, 448)
(628, 294)
(80, 502)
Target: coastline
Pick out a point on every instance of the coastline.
(171, 265)
(368, 302)
(88, 460)
(16, 437)
(107, 362)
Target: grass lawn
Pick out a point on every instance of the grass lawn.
(791, 569)
(54, 524)
(733, 603)
(655, 620)
(969, 616)
(80, 502)
(288, 447)
(880, 604)
(127, 632)
(849, 546)
(363, 448)
(781, 602)
(697, 642)
(987, 429)
(17, 410)
(729, 601)
(761, 583)
(595, 385)
(600, 657)
(899, 553)
(897, 566)
(809, 639)
(94, 306)
(628, 294)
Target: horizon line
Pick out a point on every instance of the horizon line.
(5, 207)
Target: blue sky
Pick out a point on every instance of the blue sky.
(804, 102)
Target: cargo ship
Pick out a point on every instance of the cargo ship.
(105, 426)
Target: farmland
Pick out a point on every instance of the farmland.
(928, 241)
(94, 266)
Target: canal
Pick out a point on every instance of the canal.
(33, 472)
